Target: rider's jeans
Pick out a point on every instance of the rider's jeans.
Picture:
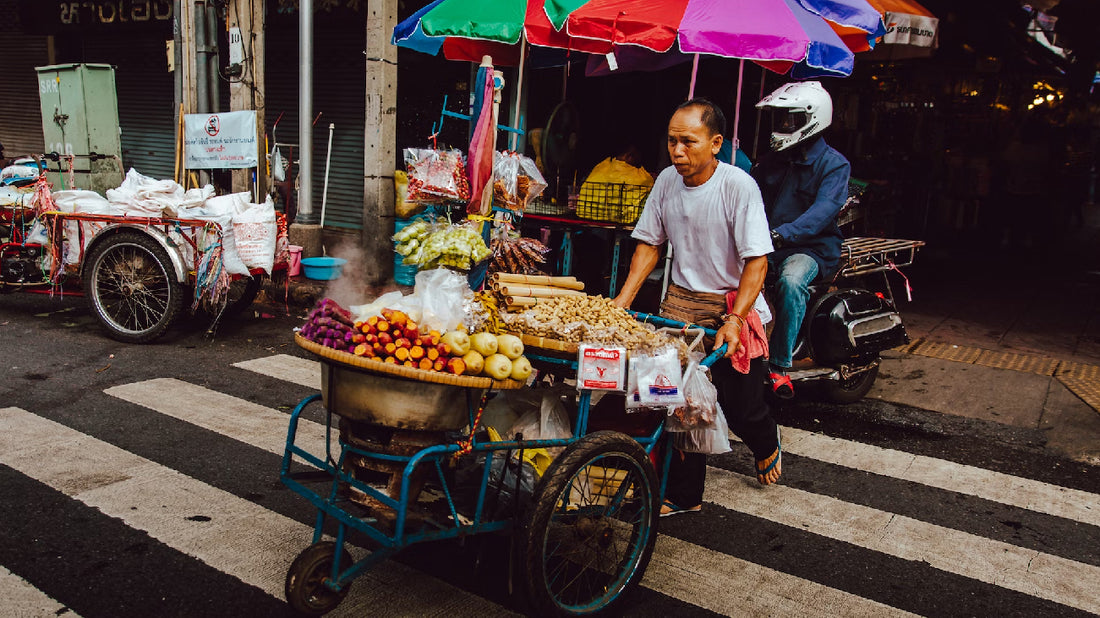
(790, 293)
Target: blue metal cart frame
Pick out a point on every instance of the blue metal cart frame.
(332, 504)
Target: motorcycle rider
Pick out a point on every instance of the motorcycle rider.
(804, 183)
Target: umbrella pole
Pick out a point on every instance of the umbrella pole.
(694, 72)
(759, 113)
(514, 137)
(737, 109)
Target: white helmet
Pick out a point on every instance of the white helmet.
(808, 111)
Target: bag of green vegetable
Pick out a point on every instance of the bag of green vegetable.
(430, 245)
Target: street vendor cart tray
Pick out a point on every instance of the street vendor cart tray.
(364, 389)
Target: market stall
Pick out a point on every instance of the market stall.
(454, 402)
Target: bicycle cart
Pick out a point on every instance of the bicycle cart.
(584, 541)
(137, 272)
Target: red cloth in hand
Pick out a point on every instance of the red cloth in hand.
(754, 341)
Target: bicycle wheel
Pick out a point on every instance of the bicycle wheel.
(132, 287)
(590, 535)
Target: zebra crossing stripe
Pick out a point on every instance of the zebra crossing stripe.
(231, 534)
(679, 569)
(733, 587)
(1031, 572)
(293, 369)
(231, 416)
(1074, 504)
(24, 600)
(1006, 489)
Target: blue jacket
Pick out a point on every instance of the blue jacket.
(804, 191)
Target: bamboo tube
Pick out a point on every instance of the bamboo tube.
(569, 283)
(537, 291)
(522, 302)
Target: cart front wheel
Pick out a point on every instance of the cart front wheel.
(132, 287)
(305, 590)
(590, 535)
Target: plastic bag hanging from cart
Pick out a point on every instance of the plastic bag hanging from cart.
(714, 441)
(700, 408)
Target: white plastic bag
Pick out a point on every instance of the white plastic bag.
(633, 398)
(659, 378)
(707, 441)
(78, 200)
(141, 195)
(442, 294)
(220, 209)
(700, 407)
(278, 165)
(254, 232)
(549, 422)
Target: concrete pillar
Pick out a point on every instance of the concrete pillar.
(380, 141)
(246, 90)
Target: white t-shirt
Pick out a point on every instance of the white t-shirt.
(713, 228)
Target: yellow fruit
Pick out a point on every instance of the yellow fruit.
(510, 346)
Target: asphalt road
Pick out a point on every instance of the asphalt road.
(143, 481)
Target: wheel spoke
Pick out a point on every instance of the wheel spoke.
(598, 518)
(133, 288)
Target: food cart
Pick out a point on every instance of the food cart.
(405, 437)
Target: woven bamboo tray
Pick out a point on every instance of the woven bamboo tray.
(410, 373)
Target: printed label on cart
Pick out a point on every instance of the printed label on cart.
(601, 368)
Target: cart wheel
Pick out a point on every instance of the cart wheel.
(242, 291)
(305, 590)
(851, 390)
(590, 535)
(132, 287)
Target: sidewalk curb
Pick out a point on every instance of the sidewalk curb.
(1083, 380)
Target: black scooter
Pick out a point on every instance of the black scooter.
(847, 328)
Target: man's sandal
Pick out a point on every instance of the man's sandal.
(669, 508)
(763, 472)
(781, 385)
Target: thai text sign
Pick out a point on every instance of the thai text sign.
(906, 29)
(220, 141)
(47, 16)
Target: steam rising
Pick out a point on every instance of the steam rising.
(353, 287)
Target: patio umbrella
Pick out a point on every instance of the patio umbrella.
(479, 158)
(779, 34)
(858, 23)
(471, 29)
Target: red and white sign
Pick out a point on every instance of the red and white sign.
(220, 141)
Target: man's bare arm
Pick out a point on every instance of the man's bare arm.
(644, 261)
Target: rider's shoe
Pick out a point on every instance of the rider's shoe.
(781, 385)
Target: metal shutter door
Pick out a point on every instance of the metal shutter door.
(339, 89)
(20, 115)
(146, 94)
